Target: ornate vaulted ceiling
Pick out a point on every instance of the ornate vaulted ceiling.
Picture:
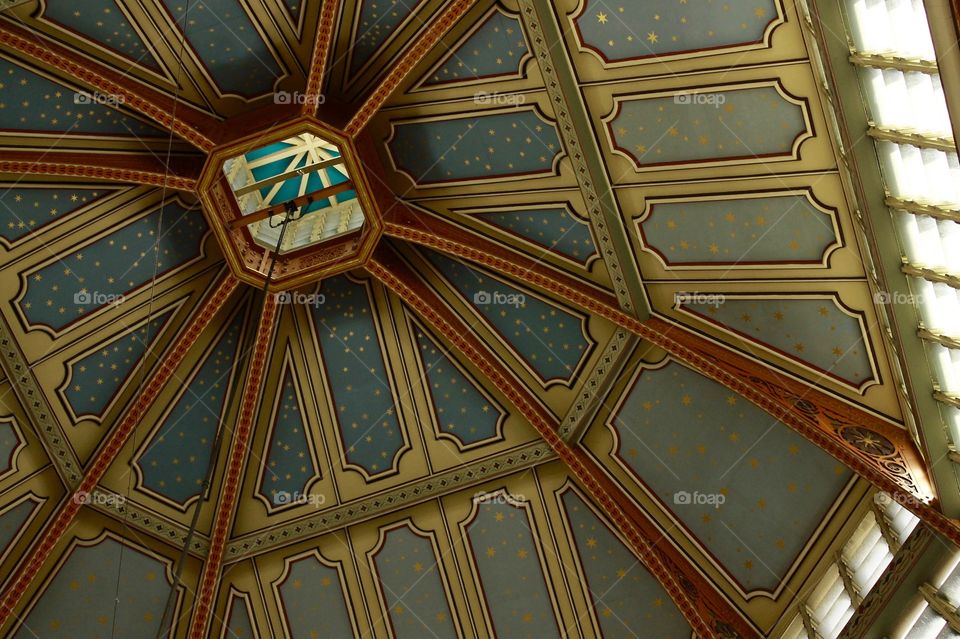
(612, 369)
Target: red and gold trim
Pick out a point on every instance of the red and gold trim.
(227, 503)
(128, 169)
(411, 57)
(184, 120)
(405, 223)
(329, 13)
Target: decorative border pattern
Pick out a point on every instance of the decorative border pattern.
(405, 496)
(113, 174)
(577, 419)
(321, 51)
(136, 516)
(576, 152)
(32, 398)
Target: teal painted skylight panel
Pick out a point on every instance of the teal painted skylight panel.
(174, 463)
(102, 273)
(476, 147)
(496, 49)
(548, 338)
(12, 521)
(31, 102)
(228, 44)
(610, 27)
(313, 601)
(81, 601)
(26, 210)
(709, 125)
(95, 379)
(553, 228)
(813, 330)
(741, 231)
(749, 488)
(627, 600)
(510, 573)
(408, 568)
(239, 625)
(378, 21)
(461, 409)
(364, 404)
(290, 463)
(104, 22)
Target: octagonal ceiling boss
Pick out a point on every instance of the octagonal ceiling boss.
(303, 169)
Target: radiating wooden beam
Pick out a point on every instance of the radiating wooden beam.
(180, 174)
(414, 53)
(183, 119)
(303, 200)
(322, 46)
(32, 561)
(239, 444)
(404, 222)
(776, 395)
(710, 612)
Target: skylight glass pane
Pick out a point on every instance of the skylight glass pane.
(891, 26)
(910, 101)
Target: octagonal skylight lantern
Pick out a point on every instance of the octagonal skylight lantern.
(304, 175)
(296, 167)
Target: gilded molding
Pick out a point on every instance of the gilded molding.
(32, 398)
(134, 515)
(577, 419)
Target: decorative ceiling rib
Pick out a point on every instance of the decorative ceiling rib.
(615, 369)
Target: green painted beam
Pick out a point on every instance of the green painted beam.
(581, 144)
